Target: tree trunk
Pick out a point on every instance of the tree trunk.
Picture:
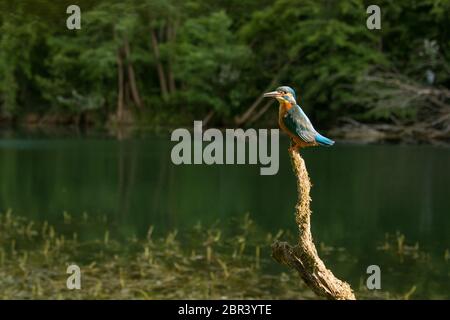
(127, 92)
(120, 86)
(171, 37)
(241, 119)
(208, 118)
(303, 257)
(260, 113)
(131, 75)
(159, 66)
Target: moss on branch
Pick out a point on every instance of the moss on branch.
(303, 257)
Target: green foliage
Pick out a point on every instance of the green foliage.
(216, 56)
(325, 46)
(85, 62)
(16, 58)
(209, 62)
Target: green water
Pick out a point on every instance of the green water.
(361, 194)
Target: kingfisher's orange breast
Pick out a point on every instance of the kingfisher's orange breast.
(283, 109)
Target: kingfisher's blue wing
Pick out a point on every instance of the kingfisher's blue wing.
(298, 123)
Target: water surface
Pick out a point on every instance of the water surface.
(361, 194)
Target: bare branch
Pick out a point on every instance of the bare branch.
(303, 257)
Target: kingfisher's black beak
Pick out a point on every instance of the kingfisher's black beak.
(272, 94)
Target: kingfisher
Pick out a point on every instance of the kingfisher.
(293, 120)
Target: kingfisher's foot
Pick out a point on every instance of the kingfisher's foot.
(294, 147)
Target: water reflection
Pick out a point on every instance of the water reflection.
(360, 193)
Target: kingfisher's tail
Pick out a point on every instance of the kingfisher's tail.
(323, 141)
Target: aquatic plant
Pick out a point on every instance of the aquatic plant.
(178, 264)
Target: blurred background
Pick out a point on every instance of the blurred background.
(176, 61)
(85, 170)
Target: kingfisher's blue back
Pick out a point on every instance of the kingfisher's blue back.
(299, 124)
(294, 121)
